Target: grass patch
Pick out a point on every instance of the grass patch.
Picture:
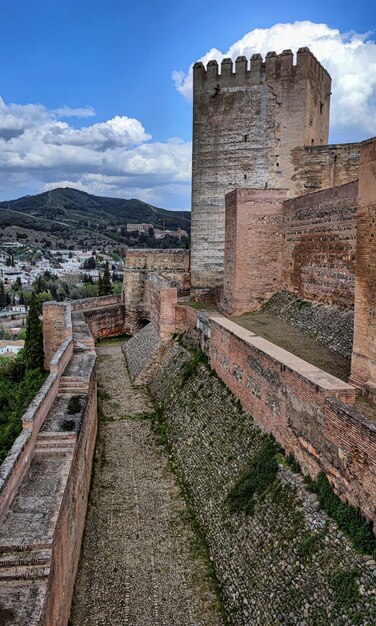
(258, 479)
(345, 586)
(200, 306)
(198, 358)
(349, 519)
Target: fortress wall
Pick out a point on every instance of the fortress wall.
(265, 573)
(163, 301)
(71, 517)
(308, 411)
(253, 248)
(322, 167)
(363, 369)
(16, 464)
(107, 321)
(320, 245)
(170, 265)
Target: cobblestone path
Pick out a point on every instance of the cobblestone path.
(140, 564)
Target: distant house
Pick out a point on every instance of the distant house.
(7, 348)
(141, 228)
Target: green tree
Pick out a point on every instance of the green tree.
(105, 288)
(34, 353)
(3, 298)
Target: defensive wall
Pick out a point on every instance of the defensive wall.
(306, 245)
(171, 266)
(45, 478)
(310, 412)
(260, 125)
(276, 564)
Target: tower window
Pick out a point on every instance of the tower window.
(245, 176)
(321, 107)
(312, 142)
(245, 137)
(277, 164)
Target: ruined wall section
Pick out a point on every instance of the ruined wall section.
(245, 124)
(320, 245)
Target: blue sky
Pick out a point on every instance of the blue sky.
(115, 60)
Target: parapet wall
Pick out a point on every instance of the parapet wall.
(230, 73)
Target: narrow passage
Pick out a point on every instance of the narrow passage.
(141, 564)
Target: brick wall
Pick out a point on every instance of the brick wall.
(320, 245)
(310, 412)
(253, 248)
(172, 266)
(163, 301)
(363, 370)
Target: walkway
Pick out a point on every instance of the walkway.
(140, 565)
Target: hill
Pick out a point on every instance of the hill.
(73, 217)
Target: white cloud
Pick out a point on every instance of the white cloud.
(350, 58)
(116, 157)
(66, 111)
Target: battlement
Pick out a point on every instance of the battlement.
(275, 66)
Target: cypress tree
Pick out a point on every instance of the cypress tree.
(105, 285)
(34, 353)
(3, 298)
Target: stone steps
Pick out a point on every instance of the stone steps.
(47, 444)
(25, 562)
(54, 452)
(25, 572)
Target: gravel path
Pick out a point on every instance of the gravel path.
(139, 565)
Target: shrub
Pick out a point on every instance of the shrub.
(348, 518)
(345, 586)
(259, 478)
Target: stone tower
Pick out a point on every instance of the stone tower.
(245, 124)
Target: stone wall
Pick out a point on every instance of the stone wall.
(44, 483)
(363, 370)
(320, 245)
(322, 167)
(253, 248)
(329, 325)
(276, 565)
(172, 266)
(245, 124)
